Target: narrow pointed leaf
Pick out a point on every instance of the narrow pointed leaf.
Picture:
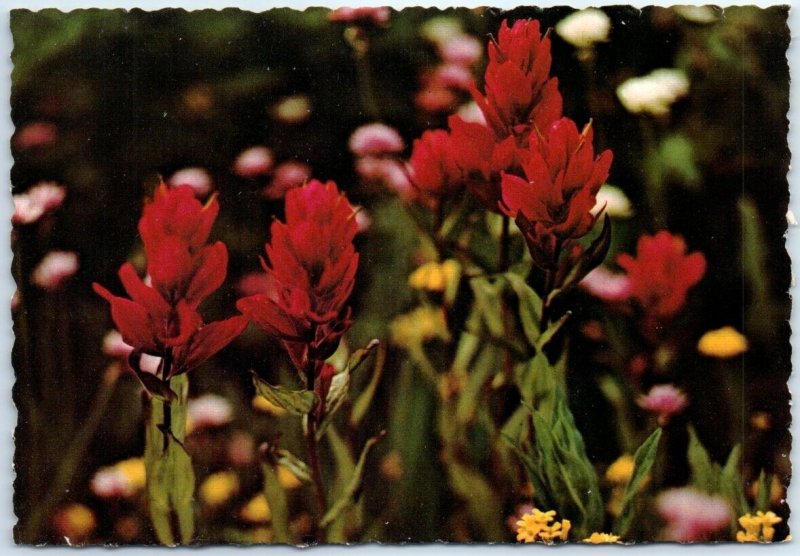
(278, 505)
(643, 461)
(296, 402)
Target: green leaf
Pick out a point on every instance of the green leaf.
(345, 467)
(347, 498)
(482, 370)
(278, 505)
(489, 304)
(294, 464)
(362, 403)
(732, 482)
(360, 355)
(705, 473)
(551, 331)
(340, 383)
(643, 461)
(762, 493)
(594, 255)
(536, 380)
(297, 402)
(483, 506)
(530, 307)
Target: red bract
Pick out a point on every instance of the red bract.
(481, 159)
(174, 228)
(520, 94)
(311, 265)
(552, 205)
(662, 273)
(434, 172)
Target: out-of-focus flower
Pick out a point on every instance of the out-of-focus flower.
(241, 449)
(150, 364)
(252, 283)
(536, 527)
(218, 488)
(15, 301)
(363, 220)
(698, 14)
(665, 400)
(262, 404)
(34, 135)
(127, 528)
(198, 100)
(436, 98)
(552, 204)
(197, 178)
(584, 28)
(392, 466)
(441, 29)
(602, 538)
(519, 511)
(287, 479)
(115, 346)
(254, 162)
(613, 202)
(422, 324)
(375, 139)
(654, 93)
(434, 276)
(37, 201)
(124, 479)
(288, 175)
(311, 266)
(520, 94)
(363, 16)
(761, 420)
(723, 343)
(692, 516)
(462, 50)
(433, 170)
(662, 273)
(450, 76)
(74, 523)
(758, 528)
(256, 510)
(208, 411)
(471, 112)
(607, 285)
(292, 110)
(620, 471)
(55, 269)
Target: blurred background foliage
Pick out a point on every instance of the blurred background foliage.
(136, 94)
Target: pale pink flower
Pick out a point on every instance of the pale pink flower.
(691, 515)
(241, 449)
(35, 134)
(450, 76)
(471, 112)
(115, 346)
(390, 171)
(37, 201)
(519, 511)
(665, 400)
(363, 220)
(287, 175)
(208, 411)
(254, 162)
(607, 285)
(54, 269)
(375, 139)
(197, 178)
(463, 50)
(149, 364)
(361, 16)
(108, 482)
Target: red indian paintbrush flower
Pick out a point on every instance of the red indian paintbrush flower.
(662, 273)
(311, 266)
(520, 94)
(434, 172)
(162, 319)
(553, 204)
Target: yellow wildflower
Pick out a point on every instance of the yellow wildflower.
(602, 538)
(134, 472)
(218, 488)
(761, 420)
(621, 471)
(262, 404)
(723, 343)
(75, 522)
(535, 526)
(287, 479)
(758, 528)
(434, 276)
(421, 324)
(256, 510)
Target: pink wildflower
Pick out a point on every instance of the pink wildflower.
(197, 178)
(287, 176)
(40, 199)
(607, 285)
(375, 139)
(35, 134)
(361, 16)
(462, 50)
(665, 400)
(54, 269)
(115, 346)
(691, 515)
(254, 162)
(208, 411)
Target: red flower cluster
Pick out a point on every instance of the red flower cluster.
(662, 273)
(311, 266)
(162, 319)
(433, 169)
(520, 94)
(552, 204)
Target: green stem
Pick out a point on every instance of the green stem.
(364, 78)
(505, 244)
(313, 454)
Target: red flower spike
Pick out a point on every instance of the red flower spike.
(205, 342)
(662, 273)
(520, 95)
(434, 171)
(311, 265)
(553, 204)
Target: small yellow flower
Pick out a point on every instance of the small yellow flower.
(758, 528)
(602, 538)
(287, 479)
(723, 343)
(434, 276)
(262, 404)
(75, 522)
(418, 326)
(535, 526)
(256, 510)
(218, 488)
(134, 471)
(621, 471)
(761, 420)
